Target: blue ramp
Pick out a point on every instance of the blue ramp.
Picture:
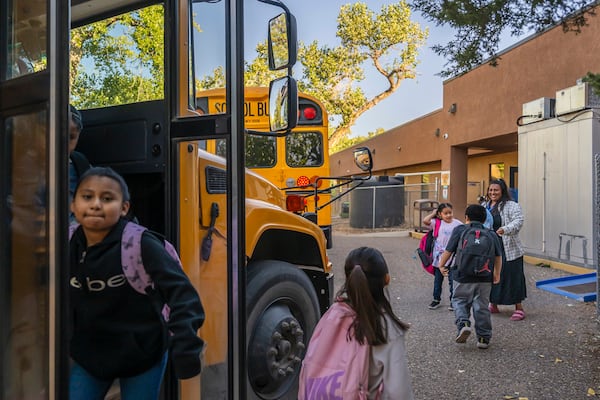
(578, 287)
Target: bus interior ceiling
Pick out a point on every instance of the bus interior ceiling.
(131, 139)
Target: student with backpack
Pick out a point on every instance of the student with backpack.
(78, 162)
(478, 262)
(357, 350)
(117, 330)
(443, 220)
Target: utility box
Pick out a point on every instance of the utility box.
(537, 110)
(557, 189)
(422, 207)
(576, 98)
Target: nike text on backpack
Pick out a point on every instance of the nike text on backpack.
(131, 259)
(475, 252)
(425, 250)
(336, 365)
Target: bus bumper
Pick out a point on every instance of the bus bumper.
(327, 230)
(330, 288)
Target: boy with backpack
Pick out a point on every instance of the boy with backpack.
(477, 264)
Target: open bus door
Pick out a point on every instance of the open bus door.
(226, 371)
(33, 192)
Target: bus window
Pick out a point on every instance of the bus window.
(304, 149)
(261, 151)
(98, 80)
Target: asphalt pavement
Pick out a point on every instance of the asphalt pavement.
(553, 354)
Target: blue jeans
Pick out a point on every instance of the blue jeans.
(476, 296)
(145, 386)
(438, 279)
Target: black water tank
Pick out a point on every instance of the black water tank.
(383, 197)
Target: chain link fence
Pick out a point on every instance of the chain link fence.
(380, 213)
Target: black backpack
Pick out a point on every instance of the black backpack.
(475, 253)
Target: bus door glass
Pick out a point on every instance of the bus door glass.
(200, 186)
(209, 54)
(24, 277)
(26, 52)
(32, 112)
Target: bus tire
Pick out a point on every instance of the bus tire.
(283, 310)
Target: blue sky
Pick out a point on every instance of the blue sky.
(316, 20)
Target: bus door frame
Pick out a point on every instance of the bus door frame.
(230, 126)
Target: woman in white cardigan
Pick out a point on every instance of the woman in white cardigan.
(507, 222)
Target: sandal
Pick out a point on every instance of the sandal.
(493, 308)
(518, 315)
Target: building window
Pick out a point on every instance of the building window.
(496, 171)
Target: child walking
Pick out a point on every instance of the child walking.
(473, 274)
(373, 322)
(445, 215)
(118, 333)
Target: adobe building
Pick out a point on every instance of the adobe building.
(474, 135)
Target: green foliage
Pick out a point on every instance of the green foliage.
(257, 72)
(347, 141)
(215, 80)
(594, 80)
(118, 60)
(479, 24)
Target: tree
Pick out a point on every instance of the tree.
(118, 60)
(348, 141)
(479, 24)
(389, 41)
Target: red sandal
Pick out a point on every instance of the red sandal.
(518, 315)
(493, 308)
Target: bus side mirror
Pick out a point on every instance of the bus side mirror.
(363, 158)
(283, 44)
(283, 104)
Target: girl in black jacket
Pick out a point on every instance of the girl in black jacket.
(117, 332)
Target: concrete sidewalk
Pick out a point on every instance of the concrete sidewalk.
(554, 353)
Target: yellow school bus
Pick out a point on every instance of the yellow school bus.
(292, 162)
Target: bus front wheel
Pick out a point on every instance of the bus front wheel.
(283, 311)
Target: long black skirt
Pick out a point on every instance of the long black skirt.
(512, 288)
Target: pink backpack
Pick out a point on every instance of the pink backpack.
(335, 366)
(426, 244)
(131, 259)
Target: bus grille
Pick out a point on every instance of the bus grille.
(216, 180)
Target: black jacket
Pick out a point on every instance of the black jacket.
(118, 332)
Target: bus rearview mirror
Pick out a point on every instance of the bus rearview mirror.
(283, 104)
(363, 158)
(282, 41)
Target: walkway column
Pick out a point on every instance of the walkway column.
(458, 180)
